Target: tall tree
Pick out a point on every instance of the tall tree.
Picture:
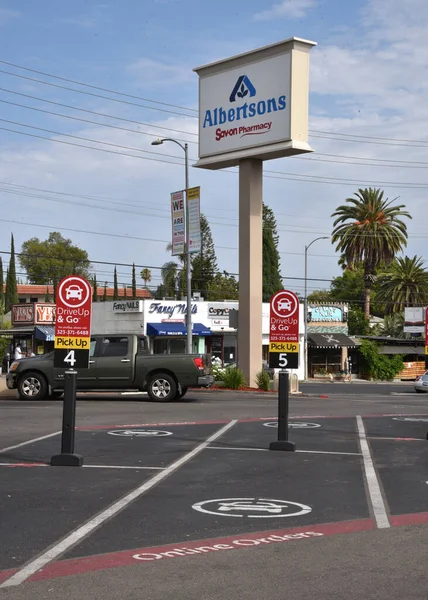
(204, 263)
(50, 260)
(105, 292)
(115, 288)
(404, 283)
(146, 276)
(369, 230)
(11, 296)
(134, 283)
(95, 289)
(169, 278)
(223, 287)
(271, 275)
(47, 295)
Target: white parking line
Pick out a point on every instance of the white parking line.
(123, 467)
(37, 439)
(84, 530)
(302, 451)
(376, 499)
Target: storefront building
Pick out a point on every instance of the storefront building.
(329, 345)
(164, 323)
(33, 328)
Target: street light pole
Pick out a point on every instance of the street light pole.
(184, 147)
(306, 304)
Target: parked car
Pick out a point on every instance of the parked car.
(117, 362)
(421, 383)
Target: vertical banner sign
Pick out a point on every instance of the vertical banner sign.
(426, 338)
(178, 223)
(193, 206)
(73, 323)
(284, 330)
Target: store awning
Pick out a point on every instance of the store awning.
(18, 331)
(330, 340)
(176, 329)
(45, 333)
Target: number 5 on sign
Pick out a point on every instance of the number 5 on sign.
(282, 362)
(70, 358)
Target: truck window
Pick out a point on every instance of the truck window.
(114, 346)
(92, 347)
(142, 345)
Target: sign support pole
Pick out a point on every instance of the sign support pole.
(283, 442)
(68, 458)
(250, 267)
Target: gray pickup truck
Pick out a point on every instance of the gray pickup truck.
(117, 362)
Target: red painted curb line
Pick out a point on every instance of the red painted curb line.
(152, 554)
(410, 519)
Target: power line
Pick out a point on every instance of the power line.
(94, 87)
(85, 139)
(93, 112)
(314, 178)
(180, 107)
(63, 87)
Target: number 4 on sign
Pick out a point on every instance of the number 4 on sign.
(70, 358)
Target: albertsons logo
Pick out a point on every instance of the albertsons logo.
(242, 91)
(242, 88)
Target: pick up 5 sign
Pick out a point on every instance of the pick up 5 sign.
(73, 323)
(284, 330)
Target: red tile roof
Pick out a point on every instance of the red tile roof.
(40, 290)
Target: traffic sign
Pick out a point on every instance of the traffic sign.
(284, 330)
(73, 323)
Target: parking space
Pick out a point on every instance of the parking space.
(149, 492)
(135, 446)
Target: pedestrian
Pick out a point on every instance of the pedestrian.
(18, 352)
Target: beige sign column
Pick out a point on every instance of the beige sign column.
(250, 268)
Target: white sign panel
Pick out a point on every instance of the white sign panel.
(193, 207)
(128, 306)
(241, 109)
(414, 319)
(178, 223)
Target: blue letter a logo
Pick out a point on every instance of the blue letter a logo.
(242, 87)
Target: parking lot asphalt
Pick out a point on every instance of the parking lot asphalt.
(163, 492)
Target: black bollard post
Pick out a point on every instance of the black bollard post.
(68, 458)
(283, 442)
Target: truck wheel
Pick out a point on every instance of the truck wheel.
(183, 393)
(162, 388)
(32, 386)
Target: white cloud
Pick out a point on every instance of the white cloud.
(287, 9)
(7, 14)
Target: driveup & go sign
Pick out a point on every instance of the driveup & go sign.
(73, 323)
(284, 330)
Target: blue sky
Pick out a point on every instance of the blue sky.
(368, 88)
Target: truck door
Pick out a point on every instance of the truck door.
(115, 362)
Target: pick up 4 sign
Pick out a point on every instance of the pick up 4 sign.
(73, 323)
(284, 330)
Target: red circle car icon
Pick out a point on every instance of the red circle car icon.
(284, 305)
(73, 291)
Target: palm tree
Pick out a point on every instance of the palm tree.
(146, 276)
(368, 230)
(404, 283)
